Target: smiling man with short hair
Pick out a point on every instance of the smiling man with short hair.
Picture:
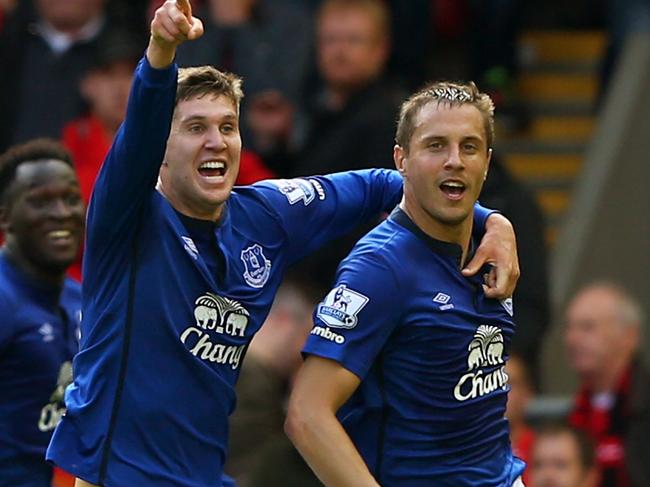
(41, 215)
(405, 384)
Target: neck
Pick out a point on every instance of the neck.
(458, 233)
(18, 258)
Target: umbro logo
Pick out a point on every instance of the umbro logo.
(47, 331)
(190, 247)
(443, 300)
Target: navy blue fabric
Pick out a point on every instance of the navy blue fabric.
(38, 338)
(167, 320)
(430, 350)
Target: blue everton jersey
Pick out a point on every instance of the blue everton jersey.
(171, 303)
(430, 350)
(38, 338)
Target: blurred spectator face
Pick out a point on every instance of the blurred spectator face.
(231, 12)
(596, 336)
(352, 46)
(557, 462)
(69, 14)
(107, 92)
(45, 214)
(521, 390)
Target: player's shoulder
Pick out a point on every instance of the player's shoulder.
(288, 192)
(386, 244)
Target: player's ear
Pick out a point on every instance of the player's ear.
(399, 156)
(487, 164)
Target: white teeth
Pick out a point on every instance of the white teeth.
(212, 165)
(454, 184)
(59, 233)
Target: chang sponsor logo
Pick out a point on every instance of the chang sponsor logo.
(214, 316)
(328, 334)
(485, 349)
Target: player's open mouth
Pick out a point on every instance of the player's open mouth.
(453, 189)
(213, 170)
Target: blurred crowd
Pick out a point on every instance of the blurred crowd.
(323, 81)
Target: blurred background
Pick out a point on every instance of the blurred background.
(323, 82)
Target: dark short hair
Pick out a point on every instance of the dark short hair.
(34, 150)
(586, 447)
(206, 80)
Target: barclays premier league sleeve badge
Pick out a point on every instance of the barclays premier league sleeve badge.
(341, 307)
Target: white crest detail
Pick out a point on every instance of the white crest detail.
(341, 307)
(298, 190)
(257, 266)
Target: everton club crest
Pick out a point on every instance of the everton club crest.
(258, 267)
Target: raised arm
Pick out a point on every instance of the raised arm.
(129, 173)
(321, 388)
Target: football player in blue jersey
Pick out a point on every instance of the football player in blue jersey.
(406, 385)
(41, 216)
(181, 270)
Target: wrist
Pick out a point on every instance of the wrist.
(160, 54)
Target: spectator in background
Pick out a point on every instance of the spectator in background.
(266, 42)
(602, 339)
(41, 214)
(531, 299)
(46, 58)
(351, 119)
(521, 392)
(6, 7)
(256, 426)
(563, 457)
(105, 89)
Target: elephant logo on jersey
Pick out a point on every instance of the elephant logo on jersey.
(220, 314)
(341, 307)
(51, 414)
(258, 267)
(485, 349)
(296, 190)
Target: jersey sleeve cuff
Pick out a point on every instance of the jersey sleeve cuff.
(157, 77)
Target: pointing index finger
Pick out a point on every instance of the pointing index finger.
(185, 7)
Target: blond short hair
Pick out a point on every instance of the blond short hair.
(450, 93)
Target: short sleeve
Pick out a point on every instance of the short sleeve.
(354, 321)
